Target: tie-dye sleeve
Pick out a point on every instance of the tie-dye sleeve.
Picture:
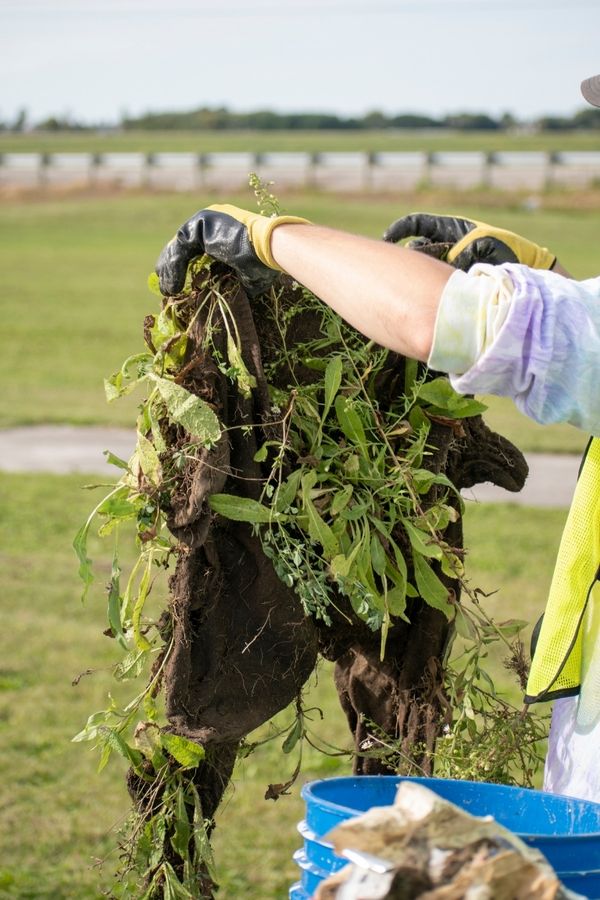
(529, 334)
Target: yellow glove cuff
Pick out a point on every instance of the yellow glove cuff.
(259, 229)
(527, 252)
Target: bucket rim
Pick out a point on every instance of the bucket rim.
(335, 808)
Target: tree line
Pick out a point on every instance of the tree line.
(223, 119)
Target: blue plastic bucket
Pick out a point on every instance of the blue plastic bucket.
(565, 830)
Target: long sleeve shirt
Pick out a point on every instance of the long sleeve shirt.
(534, 335)
(529, 334)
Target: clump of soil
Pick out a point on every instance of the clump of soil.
(242, 644)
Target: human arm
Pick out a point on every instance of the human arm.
(389, 294)
(559, 270)
(532, 334)
(529, 334)
(508, 330)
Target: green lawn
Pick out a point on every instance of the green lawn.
(57, 815)
(504, 418)
(74, 291)
(310, 141)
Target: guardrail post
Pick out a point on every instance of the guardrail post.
(553, 160)
(489, 164)
(95, 163)
(314, 160)
(371, 161)
(44, 163)
(259, 159)
(429, 164)
(202, 164)
(149, 165)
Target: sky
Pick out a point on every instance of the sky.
(96, 60)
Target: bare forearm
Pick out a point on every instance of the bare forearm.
(560, 270)
(388, 293)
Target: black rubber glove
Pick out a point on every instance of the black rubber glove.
(472, 241)
(236, 237)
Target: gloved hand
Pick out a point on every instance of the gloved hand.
(236, 237)
(472, 241)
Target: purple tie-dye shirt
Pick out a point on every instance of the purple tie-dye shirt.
(529, 334)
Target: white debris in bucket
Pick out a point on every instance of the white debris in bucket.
(424, 847)
(360, 883)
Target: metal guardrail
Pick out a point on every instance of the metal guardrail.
(328, 170)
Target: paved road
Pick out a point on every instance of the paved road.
(551, 482)
(62, 449)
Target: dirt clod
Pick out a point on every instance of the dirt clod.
(242, 644)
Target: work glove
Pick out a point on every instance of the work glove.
(236, 237)
(472, 241)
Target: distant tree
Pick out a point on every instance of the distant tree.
(218, 119)
(319, 121)
(57, 123)
(471, 122)
(222, 119)
(375, 119)
(507, 121)
(20, 121)
(413, 120)
(553, 123)
(587, 118)
(51, 124)
(265, 120)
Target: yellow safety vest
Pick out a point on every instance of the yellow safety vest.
(569, 631)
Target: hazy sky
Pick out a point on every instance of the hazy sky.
(95, 59)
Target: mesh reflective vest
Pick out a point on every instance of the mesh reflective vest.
(567, 652)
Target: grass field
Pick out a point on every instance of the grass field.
(309, 141)
(56, 814)
(74, 291)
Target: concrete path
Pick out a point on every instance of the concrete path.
(551, 482)
(61, 449)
